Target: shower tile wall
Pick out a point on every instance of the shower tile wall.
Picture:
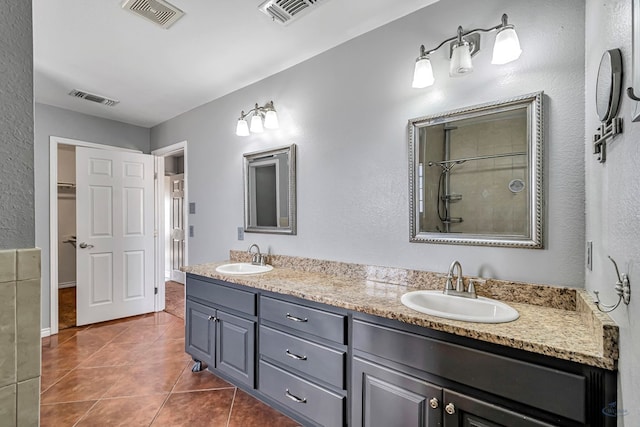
(487, 205)
(20, 337)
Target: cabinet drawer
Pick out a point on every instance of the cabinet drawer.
(555, 391)
(305, 319)
(308, 357)
(320, 405)
(220, 295)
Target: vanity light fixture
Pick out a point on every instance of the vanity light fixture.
(463, 46)
(266, 113)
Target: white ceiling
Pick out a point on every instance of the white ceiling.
(219, 46)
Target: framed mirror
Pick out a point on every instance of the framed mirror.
(270, 191)
(475, 175)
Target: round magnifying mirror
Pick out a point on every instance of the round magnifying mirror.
(608, 85)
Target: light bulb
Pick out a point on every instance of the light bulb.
(460, 60)
(271, 120)
(242, 128)
(256, 123)
(507, 46)
(422, 73)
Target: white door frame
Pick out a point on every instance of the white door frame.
(161, 153)
(54, 141)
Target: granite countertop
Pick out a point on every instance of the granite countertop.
(559, 322)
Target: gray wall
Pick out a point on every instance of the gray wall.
(53, 121)
(613, 196)
(347, 111)
(16, 127)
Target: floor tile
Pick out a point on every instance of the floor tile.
(146, 379)
(203, 380)
(49, 378)
(196, 408)
(250, 412)
(117, 354)
(167, 350)
(160, 318)
(174, 331)
(63, 414)
(141, 333)
(140, 411)
(67, 356)
(82, 384)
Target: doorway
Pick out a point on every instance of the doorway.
(63, 228)
(172, 205)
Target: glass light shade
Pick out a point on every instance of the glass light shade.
(242, 128)
(271, 120)
(506, 47)
(256, 124)
(460, 60)
(422, 73)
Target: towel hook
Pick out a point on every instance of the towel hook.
(623, 289)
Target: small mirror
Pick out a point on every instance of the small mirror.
(270, 191)
(608, 85)
(476, 175)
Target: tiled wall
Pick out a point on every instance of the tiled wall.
(20, 337)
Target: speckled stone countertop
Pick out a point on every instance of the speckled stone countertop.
(554, 321)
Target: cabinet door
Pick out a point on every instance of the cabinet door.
(236, 345)
(383, 397)
(200, 332)
(461, 410)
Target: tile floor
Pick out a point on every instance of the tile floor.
(134, 372)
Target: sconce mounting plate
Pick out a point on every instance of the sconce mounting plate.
(474, 44)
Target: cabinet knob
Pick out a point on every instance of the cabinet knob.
(450, 409)
(434, 403)
(213, 318)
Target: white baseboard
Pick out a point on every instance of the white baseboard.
(66, 285)
(45, 332)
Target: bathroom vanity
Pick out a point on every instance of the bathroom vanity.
(339, 349)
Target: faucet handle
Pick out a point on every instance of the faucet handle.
(472, 288)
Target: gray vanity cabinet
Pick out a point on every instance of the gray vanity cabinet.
(384, 397)
(423, 378)
(303, 360)
(221, 329)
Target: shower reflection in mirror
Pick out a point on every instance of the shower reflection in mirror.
(476, 175)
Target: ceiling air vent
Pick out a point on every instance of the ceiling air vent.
(286, 11)
(157, 11)
(93, 97)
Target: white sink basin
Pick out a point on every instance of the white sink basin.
(481, 310)
(242, 268)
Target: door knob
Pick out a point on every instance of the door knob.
(84, 245)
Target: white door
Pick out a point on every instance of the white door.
(177, 227)
(115, 234)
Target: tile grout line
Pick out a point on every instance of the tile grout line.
(235, 392)
(164, 402)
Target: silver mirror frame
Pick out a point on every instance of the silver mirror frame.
(290, 150)
(535, 133)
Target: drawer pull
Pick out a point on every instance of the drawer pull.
(294, 356)
(293, 397)
(296, 319)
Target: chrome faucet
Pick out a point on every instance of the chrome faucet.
(257, 258)
(459, 289)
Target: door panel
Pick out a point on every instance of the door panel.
(177, 227)
(114, 211)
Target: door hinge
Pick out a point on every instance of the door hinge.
(155, 233)
(155, 175)
(155, 291)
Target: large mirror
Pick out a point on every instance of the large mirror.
(475, 175)
(270, 191)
